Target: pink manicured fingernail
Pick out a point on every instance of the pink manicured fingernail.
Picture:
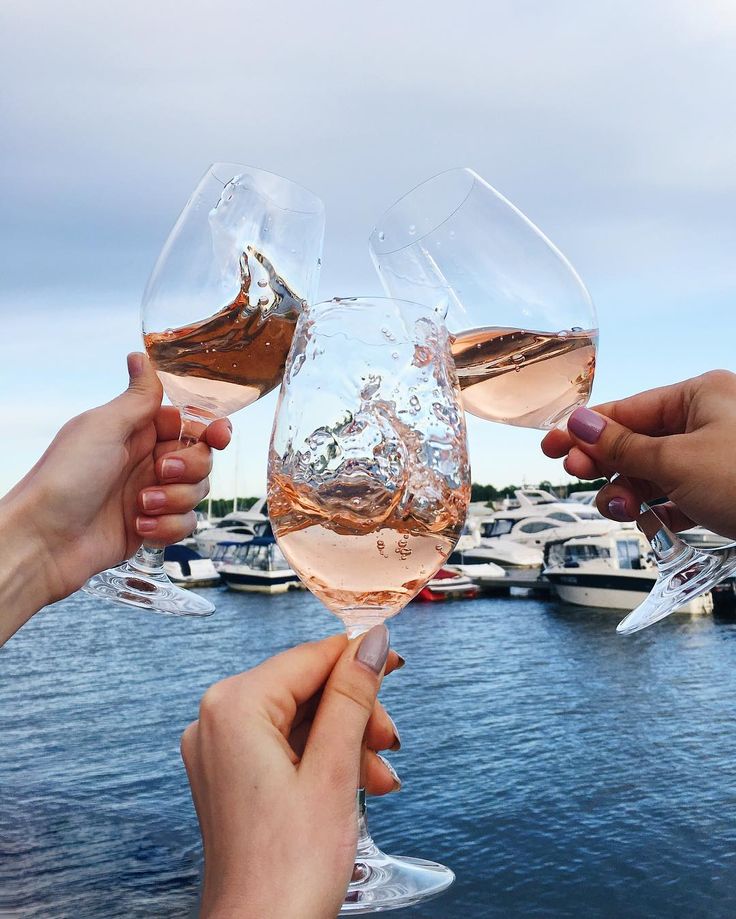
(152, 500)
(172, 468)
(586, 425)
(396, 745)
(373, 649)
(617, 510)
(394, 774)
(135, 364)
(145, 524)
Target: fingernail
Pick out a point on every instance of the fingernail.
(394, 773)
(172, 468)
(396, 745)
(373, 650)
(617, 510)
(145, 524)
(135, 365)
(586, 425)
(152, 500)
(229, 424)
(402, 661)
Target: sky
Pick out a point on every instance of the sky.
(609, 123)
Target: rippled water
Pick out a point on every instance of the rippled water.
(558, 769)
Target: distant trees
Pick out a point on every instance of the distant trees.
(490, 493)
(222, 506)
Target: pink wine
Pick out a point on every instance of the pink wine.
(366, 563)
(221, 364)
(531, 379)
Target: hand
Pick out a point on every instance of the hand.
(111, 477)
(274, 763)
(677, 442)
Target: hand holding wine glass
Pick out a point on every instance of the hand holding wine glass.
(458, 245)
(218, 316)
(675, 441)
(368, 488)
(81, 507)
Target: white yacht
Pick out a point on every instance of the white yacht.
(186, 568)
(610, 571)
(256, 566)
(515, 537)
(239, 526)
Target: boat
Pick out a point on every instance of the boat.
(516, 536)
(611, 571)
(448, 585)
(238, 526)
(187, 568)
(257, 566)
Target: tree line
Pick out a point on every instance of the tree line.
(489, 493)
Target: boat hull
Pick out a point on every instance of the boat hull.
(621, 591)
(260, 582)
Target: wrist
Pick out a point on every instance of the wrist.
(27, 572)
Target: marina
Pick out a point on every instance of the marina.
(560, 770)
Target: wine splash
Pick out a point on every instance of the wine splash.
(221, 364)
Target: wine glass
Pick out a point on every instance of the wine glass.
(368, 488)
(457, 245)
(218, 315)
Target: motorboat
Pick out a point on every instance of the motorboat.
(515, 538)
(187, 568)
(448, 585)
(256, 566)
(611, 571)
(238, 526)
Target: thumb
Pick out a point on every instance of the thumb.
(333, 750)
(141, 400)
(617, 448)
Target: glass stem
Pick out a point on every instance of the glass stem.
(670, 552)
(150, 559)
(366, 847)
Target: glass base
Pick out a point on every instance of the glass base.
(150, 590)
(694, 574)
(382, 882)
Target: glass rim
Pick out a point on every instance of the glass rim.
(315, 311)
(238, 169)
(459, 170)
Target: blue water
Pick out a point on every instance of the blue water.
(558, 769)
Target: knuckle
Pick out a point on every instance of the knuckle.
(720, 378)
(187, 742)
(620, 445)
(357, 695)
(213, 702)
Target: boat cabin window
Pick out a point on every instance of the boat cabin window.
(536, 526)
(565, 518)
(584, 553)
(498, 527)
(266, 557)
(629, 553)
(538, 497)
(226, 552)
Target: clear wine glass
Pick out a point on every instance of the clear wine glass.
(457, 245)
(218, 315)
(368, 488)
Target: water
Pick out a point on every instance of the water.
(560, 770)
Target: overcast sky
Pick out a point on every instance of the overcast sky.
(612, 124)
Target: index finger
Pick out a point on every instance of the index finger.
(168, 427)
(291, 678)
(655, 412)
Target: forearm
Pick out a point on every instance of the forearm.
(23, 576)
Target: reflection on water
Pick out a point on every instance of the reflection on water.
(560, 770)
